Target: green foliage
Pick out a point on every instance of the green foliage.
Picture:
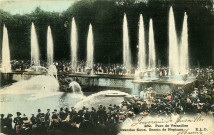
(106, 17)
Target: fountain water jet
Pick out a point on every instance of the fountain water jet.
(90, 48)
(34, 47)
(126, 48)
(184, 55)
(101, 97)
(73, 44)
(76, 88)
(173, 46)
(152, 57)
(141, 46)
(52, 71)
(6, 66)
(49, 47)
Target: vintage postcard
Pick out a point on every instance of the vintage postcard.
(106, 67)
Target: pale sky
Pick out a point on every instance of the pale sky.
(27, 6)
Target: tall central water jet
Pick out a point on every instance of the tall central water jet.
(34, 47)
(126, 48)
(141, 46)
(73, 44)
(6, 66)
(152, 56)
(184, 55)
(173, 46)
(49, 47)
(90, 48)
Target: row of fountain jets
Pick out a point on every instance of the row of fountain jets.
(178, 50)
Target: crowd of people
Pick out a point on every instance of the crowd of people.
(108, 120)
(65, 66)
(98, 68)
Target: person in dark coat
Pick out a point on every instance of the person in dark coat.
(8, 124)
(47, 118)
(33, 119)
(18, 122)
(40, 118)
(2, 123)
(78, 119)
(100, 128)
(112, 128)
(55, 123)
(54, 115)
(86, 127)
(94, 115)
(61, 114)
(73, 113)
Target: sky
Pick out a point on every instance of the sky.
(27, 6)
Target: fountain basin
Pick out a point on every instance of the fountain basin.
(164, 85)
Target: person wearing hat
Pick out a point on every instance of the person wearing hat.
(47, 118)
(67, 110)
(24, 117)
(33, 119)
(55, 121)
(86, 126)
(54, 115)
(67, 115)
(2, 123)
(94, 115)
(100, 128)
(55, 111)
(39, 117)
(81, 111)
(18, 122)
(79, 118)
(72, 113)
(61, 114)
(8, 124)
